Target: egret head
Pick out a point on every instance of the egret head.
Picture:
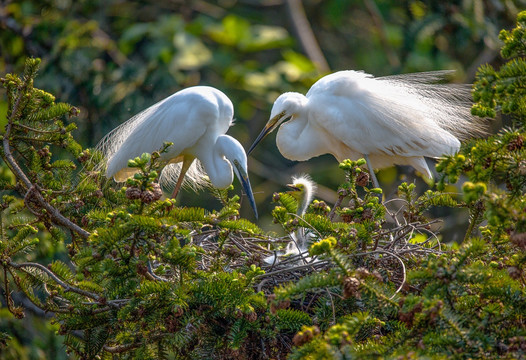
(233, 152)
(285, 106)
(303, 190)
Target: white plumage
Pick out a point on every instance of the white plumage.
(195, 120)
(303, 190)
(388, 120)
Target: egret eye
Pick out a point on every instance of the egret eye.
(277, 118)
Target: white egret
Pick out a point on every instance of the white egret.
(195, 120)
(387, 120)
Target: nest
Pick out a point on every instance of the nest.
(387, 256)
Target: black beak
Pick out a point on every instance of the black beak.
(271, 125)
(245, 182)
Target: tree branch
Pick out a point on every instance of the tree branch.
(117, 349)
(30, 187)
(55, 278)
(306, 35)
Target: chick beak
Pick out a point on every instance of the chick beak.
(293, 188)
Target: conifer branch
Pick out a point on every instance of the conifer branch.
(29, 128)
(30, 187)
(119, 349)
(67, 287)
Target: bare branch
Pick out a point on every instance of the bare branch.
(306, 35)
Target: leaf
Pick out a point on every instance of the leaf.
(191, 52)
(62, 270)
(240, 225)
(291, 320)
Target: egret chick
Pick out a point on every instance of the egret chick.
(388, 120)
(195, 120)
(303, 190)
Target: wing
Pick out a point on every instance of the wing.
(392, 116)
(182, 119)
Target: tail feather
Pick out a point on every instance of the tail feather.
(447, 105)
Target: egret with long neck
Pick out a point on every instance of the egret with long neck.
(195, 120)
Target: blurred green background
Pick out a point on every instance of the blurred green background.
(114, 58)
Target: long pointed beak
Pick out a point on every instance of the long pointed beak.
(266, 130)
(271, 125)
(245, 182)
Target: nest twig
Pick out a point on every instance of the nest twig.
(390, 251)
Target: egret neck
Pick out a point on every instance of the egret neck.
(217, 167)
(228, 157)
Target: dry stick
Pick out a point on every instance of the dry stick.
(332, 305)
(8, 299)
(300, 267)
(403, 268)
(116, 304)
(306, 36)
(55, 214)
(43, 307)
(117, 349)
(394, 215)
